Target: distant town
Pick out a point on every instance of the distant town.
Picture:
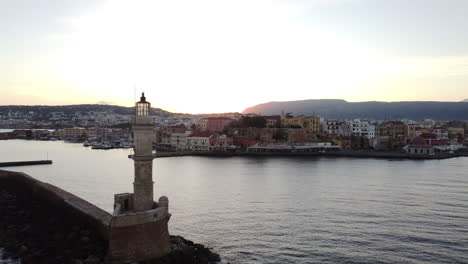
(106, 127)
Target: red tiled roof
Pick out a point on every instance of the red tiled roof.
(429, 135)
(418, 142)
(177, 126)
(219, 118)
(276, 117)
(200, 134)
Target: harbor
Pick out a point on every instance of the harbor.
(309, 202)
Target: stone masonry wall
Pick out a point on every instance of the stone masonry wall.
(97, 219)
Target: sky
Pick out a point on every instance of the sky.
(209, 56)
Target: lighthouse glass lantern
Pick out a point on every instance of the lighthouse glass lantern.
(143, 107)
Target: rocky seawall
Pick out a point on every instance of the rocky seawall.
(40, 223)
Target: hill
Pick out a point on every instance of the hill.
(46, 110)
(341, 109)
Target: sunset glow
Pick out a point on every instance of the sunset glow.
(219, 56)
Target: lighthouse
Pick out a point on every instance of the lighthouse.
(143, 158)
(139, 225)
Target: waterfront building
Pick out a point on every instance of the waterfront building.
(175, 129)
(217, 124)
(220, 142)
(410, 131)
(391, 129)
(290, 121)
(214, 124)
(331, 127)
(243, 141)
(199, 141)
(75, 132)
(441, 133)
(179, 140)
(22, 133)
(311, 124)
(203, 123)
(164, 138)
(419, 146)
(139, 226)
(92, 132)
(456, 134)
(337, 127)
(344, 129)
(362, 128)
(7, 135)
(40, 133)
(272, 121)
(391, 135)
(58, 133)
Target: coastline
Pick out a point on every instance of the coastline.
(333, 154)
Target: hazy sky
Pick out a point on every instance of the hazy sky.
(219, 56)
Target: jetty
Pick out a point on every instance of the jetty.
(41, 223)
(25, 163)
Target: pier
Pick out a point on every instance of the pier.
(25, 163)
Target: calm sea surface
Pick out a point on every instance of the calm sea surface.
(283, 210)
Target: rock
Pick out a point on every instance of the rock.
(85, 239)
(58, 237)
(67, 240)
(213, 257)
(23, 249)
(92, 260)
(71, 236)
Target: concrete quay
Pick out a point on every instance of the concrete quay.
(344, 154)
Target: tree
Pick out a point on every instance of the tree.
(254, 121)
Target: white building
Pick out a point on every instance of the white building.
(331, 126)
(337, 127)
(179, 140)
(199, 141)
(74, 132)
(362, 128)
(441, 133)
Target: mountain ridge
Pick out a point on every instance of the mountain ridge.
(341, 109)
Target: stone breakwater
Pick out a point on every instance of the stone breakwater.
(32, 232)
(40, 223)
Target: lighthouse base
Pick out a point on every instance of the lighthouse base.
(139, 236)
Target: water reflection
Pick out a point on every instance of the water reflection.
(284, 210)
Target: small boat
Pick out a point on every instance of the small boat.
(127, 145)
(102, 146)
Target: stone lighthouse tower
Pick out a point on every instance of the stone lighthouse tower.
(139, 225)
(143, 134)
